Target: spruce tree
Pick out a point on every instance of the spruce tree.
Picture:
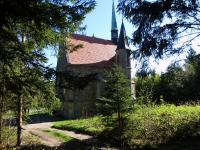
(117, 98)
(26, 28)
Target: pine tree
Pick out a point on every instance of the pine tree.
(117, 98)
(26, 28)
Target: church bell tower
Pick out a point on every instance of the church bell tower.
(114, 30)
(123, 52)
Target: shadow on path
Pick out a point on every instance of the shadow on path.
(42, 118)
(74, 144)
(70, 145)
(33, 119)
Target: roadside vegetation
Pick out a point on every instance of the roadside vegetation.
(9, 136)
(147, 125)
(155, 125)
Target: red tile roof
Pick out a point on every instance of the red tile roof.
(95, 52)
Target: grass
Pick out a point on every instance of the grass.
(59, 135)
(9, 136)
(92, 126)
(68, 142)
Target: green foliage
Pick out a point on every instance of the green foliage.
(46, 99)
(161, 24)
(180, 84)
(8, 136)
(117, 98)
(147, 89)
(159, 124)
(26, 28)
(118, 88)
(172, 83)
(147, 125)
(117, 91)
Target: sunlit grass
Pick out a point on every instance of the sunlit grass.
(59, 135)
(92, 126)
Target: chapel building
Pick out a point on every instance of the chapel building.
(95, 57)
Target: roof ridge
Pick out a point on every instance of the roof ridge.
(92, 37)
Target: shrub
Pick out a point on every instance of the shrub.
(159, 124)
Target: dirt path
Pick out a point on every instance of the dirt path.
(37, 129)
(44, 137)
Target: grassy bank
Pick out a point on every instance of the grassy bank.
(152, 125)
(91, 126)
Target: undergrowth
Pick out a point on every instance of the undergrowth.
(153, 125)
(146, 125)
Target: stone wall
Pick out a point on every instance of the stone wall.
(81, 102)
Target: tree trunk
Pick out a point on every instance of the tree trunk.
(20, 110)
(19, 120)
(119, 124)
(119, 115)
(2, 96)
(1, 118)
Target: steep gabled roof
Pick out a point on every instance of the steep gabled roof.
(95, 52)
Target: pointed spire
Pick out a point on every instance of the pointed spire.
(114, 30)
(114, 22)
(123, 41)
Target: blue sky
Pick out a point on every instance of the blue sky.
(98, 22)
